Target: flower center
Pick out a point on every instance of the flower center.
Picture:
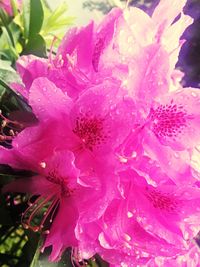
(90, 131)
(161, 201)
(169, 120)
(44, 207)
(65, 191)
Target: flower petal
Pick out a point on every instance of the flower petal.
(176, 119)
(47, 100)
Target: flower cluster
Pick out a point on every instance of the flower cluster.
(112, 149)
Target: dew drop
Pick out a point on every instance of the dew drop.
(103, 241)
(129, 214)
(176, 155)
(134, 154)
(124, 264)
(43, 165)
(194, 94)
(127, 237)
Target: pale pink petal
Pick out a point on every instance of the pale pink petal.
(171, 36)
(166, 11)
(138, 23)
(149, 73)
(176, 164)
(163, 210)
(104, 35)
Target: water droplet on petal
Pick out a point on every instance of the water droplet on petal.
(43, 165)
(129, 214)
(176, 155)
(134, 154)
(124, 264)
(127, 237)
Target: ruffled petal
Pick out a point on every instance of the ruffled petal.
(167, 11)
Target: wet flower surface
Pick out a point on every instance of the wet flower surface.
(112, 146)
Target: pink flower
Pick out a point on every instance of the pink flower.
(110, 52)
(136, 30)
(127, 227)
(83, 134)
(113, 141)
(167, 130)
(93, 126)
(167, 211)
(171, 130)
(60, 186)
(122, 234)
(55, 185)
(73, 70)
(149, 81)
(7, 6)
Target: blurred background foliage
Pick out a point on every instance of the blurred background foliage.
(31, 31)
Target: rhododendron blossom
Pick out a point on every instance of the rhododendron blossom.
(111, 148)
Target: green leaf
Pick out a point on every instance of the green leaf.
(8, 47)
(32, 17)
(36, 18)
(32, 247)
(41, 259)
(35, 258)
(55, 22)
(7, 73)
(36, 46)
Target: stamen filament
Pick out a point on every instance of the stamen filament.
(36, 207)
